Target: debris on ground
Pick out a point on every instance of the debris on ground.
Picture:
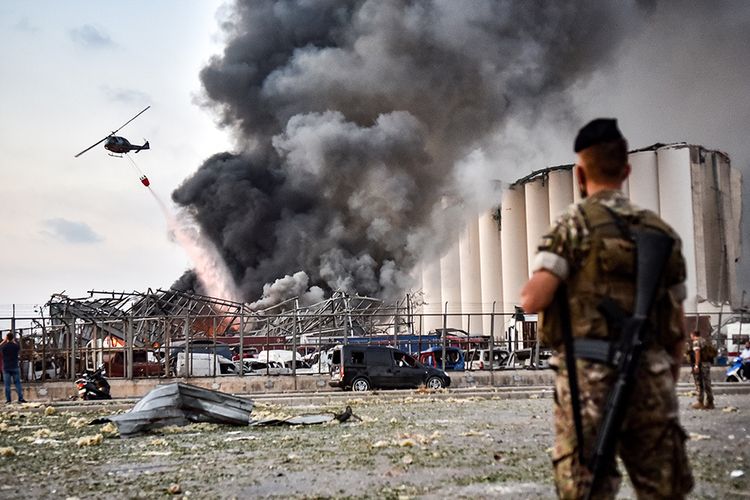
(174, 489)
(109, 429)
(78, 422)
(407, 442)
(94, 440)
(4, 427)
(736, 473)
(322, 418)
(49, 411)
(299, 420)
(179, 404)
(729, 409)
(7, 451)
(698, 437)
(169, 407)
(250, 459)
(44, 433)
(346, 415)
(472, 432)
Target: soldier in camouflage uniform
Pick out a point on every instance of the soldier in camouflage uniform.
(701, 372)
(587, 250)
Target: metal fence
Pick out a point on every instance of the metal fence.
(150, 337)
(286, 343)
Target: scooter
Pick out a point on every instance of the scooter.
(93, 384)
(736, 371)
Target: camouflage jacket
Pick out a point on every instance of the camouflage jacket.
(566, 251)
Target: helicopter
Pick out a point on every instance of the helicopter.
(119, 145)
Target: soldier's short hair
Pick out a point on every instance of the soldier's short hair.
(606, 161)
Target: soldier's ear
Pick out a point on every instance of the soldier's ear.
(581, 179)
(626, 172)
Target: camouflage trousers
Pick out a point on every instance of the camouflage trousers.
(651, 443)
(702, 381)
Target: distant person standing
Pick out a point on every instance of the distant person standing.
(11, 367)
(745, 353)
(701, 360)
(745, 357)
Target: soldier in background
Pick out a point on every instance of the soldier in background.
(700, 360)
(588, 250)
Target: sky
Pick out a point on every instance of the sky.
(72, 73)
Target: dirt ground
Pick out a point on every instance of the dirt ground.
(414, 447)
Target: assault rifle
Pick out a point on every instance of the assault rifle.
(653, 249)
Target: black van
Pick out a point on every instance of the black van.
(365, 367)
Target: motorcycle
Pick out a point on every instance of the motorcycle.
(736, 371)
(93, 384)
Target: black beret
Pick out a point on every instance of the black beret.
(596, 132)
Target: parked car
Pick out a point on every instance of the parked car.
(255, 367)
(454, 358)
(365, 367)
(37, 370)
(524, 358)
(204, 364)
(480, 359)
(145, 364)
(200, 345)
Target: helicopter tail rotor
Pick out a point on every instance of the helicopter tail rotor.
(145, 146)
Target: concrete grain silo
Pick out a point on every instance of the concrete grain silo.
(560, 191)
(491, 267)
(471, 274)
(537, 214)
(513, 241)
(692, 188)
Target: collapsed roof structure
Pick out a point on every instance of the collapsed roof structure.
(154, 316)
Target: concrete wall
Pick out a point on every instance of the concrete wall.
(313, 384)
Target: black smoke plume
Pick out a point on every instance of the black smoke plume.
(356, 121)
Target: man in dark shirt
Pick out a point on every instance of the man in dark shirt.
(11, 368)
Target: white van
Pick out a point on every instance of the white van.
(205, 364)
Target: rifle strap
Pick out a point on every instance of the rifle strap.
(599, 351)
(570, 366)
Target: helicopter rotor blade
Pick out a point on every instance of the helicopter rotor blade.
(95, 145)
(136, 116)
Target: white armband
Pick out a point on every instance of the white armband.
(551, 262)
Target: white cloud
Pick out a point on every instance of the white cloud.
(91, 37)
(69, 231)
